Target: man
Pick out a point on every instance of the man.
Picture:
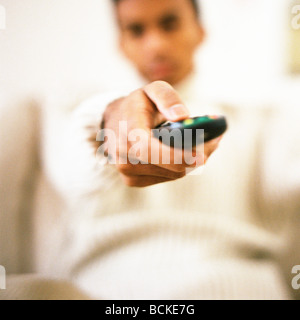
(161, 44)
(149, 231)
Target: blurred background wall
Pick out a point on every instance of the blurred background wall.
(67, 48)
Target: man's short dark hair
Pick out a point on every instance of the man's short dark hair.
(194, 3)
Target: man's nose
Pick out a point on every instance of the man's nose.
(156, 43)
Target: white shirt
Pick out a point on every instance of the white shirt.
(200, 237)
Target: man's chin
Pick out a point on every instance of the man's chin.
(167, 78)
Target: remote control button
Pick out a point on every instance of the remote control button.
(188, 122)
(176, 125)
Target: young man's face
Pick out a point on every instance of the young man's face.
(159, 37)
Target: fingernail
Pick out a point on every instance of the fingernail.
(178, 112)
(218, 139)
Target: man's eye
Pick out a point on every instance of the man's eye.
(171, 25)
(136, 31)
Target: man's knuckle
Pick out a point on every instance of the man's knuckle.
(129, 181)
(124, 169)
(181, 174)
(178, 169)
(136, 94)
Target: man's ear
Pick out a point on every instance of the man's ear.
(122, 46)
(201, 34)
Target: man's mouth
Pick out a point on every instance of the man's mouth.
(161, 70)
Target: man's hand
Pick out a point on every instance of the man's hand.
(139, 113)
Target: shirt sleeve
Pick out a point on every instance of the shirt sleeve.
(75, 169)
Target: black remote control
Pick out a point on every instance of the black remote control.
(213, 126)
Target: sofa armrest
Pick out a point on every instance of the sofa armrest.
(19, 127)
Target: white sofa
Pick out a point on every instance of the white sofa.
(22, 226)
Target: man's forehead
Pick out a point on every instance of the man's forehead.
(132, 11)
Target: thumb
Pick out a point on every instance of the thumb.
(167, 100)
